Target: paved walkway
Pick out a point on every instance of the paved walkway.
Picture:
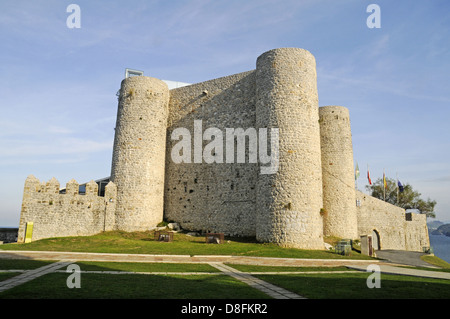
(242, 260)
(271, 290)
(31, 274)
(386, 269)
(411, 258)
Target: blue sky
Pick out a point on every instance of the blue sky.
(58, 85)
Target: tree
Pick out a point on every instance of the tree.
(407, 199)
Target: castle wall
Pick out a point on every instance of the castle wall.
(416, 232)
(70, 214)
(397, 229)
(178, 154)
(217, 196)
(139, 153)
(282, 206)
(288, 202)
(339, 201)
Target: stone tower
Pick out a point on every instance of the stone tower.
(139, 153)
(289, 201)
(339, 199)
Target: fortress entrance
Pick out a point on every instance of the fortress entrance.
(375, 240)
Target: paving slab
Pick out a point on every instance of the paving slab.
(268, 288)
(31, 274)
(243, 260)
(394, 270)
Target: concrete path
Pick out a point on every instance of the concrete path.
(31, 274)
(242, 260)
(386, 269)
(271, 290)
(411, 258)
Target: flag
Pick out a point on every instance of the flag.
(368, 176)
(356, 171)
(400, 186)
(384, 181)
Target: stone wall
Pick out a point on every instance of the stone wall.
(288, 202)
(70, 214)
(416, 232)
(241, 198)
(396, 229)
(338, 177)
(218, 196)
(139, 153)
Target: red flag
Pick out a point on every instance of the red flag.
(368, 177)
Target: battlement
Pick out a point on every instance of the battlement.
(56, 212)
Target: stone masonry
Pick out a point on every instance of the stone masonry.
(71, 214)
(250, 154)
(139, 153)
(339, 209)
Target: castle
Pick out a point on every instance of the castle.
(285, 174)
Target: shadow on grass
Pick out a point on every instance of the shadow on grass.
(354, 286)
(102, 286)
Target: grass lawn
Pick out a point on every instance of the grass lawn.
(144, 267)
(7, 275)
(202, 285)
(22, 264)
(257, 268)
(354, 286)
(436, 261)
(143, 243)
(213, 286)
(135, 286)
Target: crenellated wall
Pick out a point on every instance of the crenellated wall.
(70, 214)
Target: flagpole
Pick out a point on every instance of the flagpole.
(384, 186)
(397, 187)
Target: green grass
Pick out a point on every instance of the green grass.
(203, 286)
(143, 243)
(216, 286)
(436, 261)
(22, 264)
(354, 286)
(258, 268)
(7, 275)
(102, 286)
(144, 267)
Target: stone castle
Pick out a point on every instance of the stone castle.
(310, 193)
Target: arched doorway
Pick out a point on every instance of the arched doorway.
(375, 240)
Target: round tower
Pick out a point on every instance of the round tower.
(139, 153)
(339, 199)
(289, 201)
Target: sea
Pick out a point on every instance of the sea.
(441, 246)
